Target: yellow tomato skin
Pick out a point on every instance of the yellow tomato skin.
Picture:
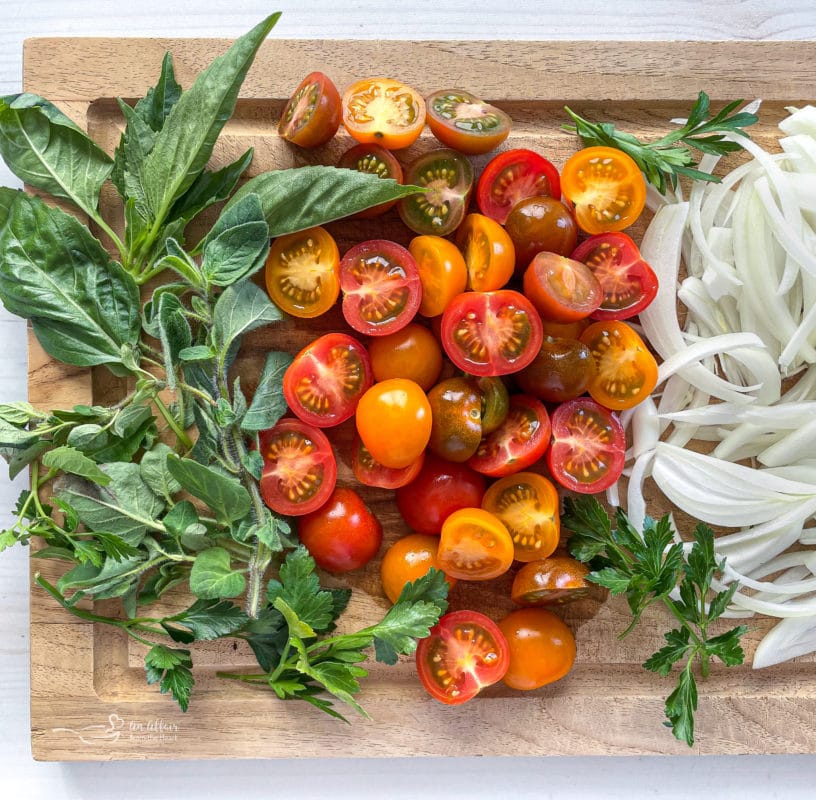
(442, 272)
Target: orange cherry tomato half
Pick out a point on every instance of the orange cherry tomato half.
(312, 115)
(383, 111)
(407, 560)
(464, 652)
(302, 273)
(625, 370)
(606, 187)
(551, 581)
(374, 160)
(527, 504)
(394, 422)
(562, 290)
(489, 253)
(474, 545)
(442, 272)
(371, 473)
(541, 646)
(461, 121)
(411, 352)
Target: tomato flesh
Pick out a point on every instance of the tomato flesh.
(383, 111)
(461, 121)
(370, 472)
(489, 253)
(561, 289)
(312, 115)
(550, 581)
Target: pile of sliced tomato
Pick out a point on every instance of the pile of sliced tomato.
(484, 366)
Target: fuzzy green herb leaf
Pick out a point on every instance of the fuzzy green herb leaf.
(224, 495)
(212, 576)
(268, 403)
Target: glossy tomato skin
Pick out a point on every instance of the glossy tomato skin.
(495, 402)
(465, 123)
(542, 648)
(606, 188)
(474, 545)
(491, 333)
(383, 111)
(561, 371)
(407, 560)
(490, 256)
(561, 289)
(312, 115)
(628, 283)
(456, 411)
(299, 470)
(381, 287)
(442, 272)
(540, 224)
(411, 352)
(588, 447)
(512, 176)
(371, 473)
(343, 534)
(326, 380)
(518, 442)
(625, 370)
(464, 653)
(302, 273)
(441, 488)
(373, 160)
(551, 581)
(394, 421)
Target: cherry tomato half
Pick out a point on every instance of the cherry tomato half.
(540, 224)
(447, 177)
(374, 160)
(411, 352)
(326, 380)
(561, 371)
(625, 370)
(627, 281)
(512, 176)
(491, 333)
(371, 473)
(489, 253)
(518, 442)
(299, 470)
(383, 111)
(442, 272)
(588, 446)
(302, 273)
(606, 187)
(441, 488)
(561, 289)
(312, 115)
(341, 535)
(381, 287)
(461, 121)
(474, 545)
(527, 504)
(456, 411)
(464, 653)
(551, 581)
(407, 560)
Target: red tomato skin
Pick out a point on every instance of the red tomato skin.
(325, 118)
(441, 488)
(371, 473)
(342, 535)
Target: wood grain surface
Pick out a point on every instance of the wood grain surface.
(89, 700)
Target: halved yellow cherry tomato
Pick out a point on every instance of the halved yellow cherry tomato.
(489, 253)
(383, 111)
(474, 545)
(442, 272)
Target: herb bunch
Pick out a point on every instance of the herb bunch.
(666, 159)
(162, 488)
(647, 569)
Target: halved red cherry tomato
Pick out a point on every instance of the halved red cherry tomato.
(540, 224)
(442, 272)
(411, 352)
(588, 446)
(302, 273)
(441, 488)
(326, 380)
(527, 504)
(383, 111)
(625, 370)
(381, 287)
(489, 253)
(456, 411)
(407, 560)
(447, 177)
(628, 282)
(606, 187)
(512, 176)
(461, 121)
(495, 402)
(299, 469)
(474, 545)
(491, 333)
(551, 581)
(464, 653)
(561, 371)
(374, 160)
(312, 115)
(343, 534)
(518, 442)
(371, 473)
(561, 289)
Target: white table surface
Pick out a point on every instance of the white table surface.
(784, 777)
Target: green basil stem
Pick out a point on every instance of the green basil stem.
(181, 434)
(123, 253)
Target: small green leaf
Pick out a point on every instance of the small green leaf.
(268, 403)
(212, 576)
(613, 579)
(172, 669)
(198, 352)
(158, 102)
(228, 499)
(678, 645)
(299, 586)
(298, 629)
(727, 646)
(680, 707)
(18, 413)
(210, 619)
(154, 471)
(68, 459)
(401, 627)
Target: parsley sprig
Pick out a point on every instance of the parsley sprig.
(671, 156)
(646, 569)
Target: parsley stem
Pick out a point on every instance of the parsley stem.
(670, 604)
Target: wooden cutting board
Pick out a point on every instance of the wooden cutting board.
(89, 699)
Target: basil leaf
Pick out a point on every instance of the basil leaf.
(268, 403)
(157, 103)
(300, 198)
(212, 577)
(75, 462)
(186, 140)
(83, 306)
(128, 161)
(44, 148)
(154, 472)
(228, 499)
(174, 334)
